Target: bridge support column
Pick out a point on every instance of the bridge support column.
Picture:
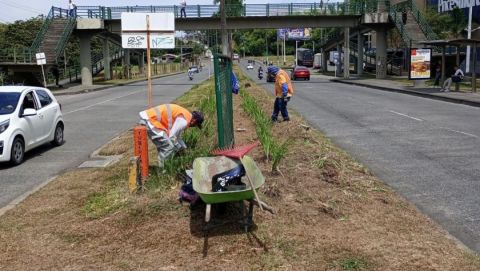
(339, 62)
(360, 53)
(86, 58)
(107, 71)
(324, 61)
(381, 54)
(346, 54)
(126, 64)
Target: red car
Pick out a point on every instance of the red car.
(300, 72)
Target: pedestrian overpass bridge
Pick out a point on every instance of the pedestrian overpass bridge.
(105, 21)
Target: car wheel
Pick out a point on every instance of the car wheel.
(58, 136)
(18, 151)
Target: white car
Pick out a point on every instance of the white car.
(29, 117)
(249, 67)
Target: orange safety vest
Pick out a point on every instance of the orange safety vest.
(163, 116)
(282, 77)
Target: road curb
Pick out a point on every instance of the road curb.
(110, 86)
(411, 92)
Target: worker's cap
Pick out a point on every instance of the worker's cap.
(198, 117)
(273, 69)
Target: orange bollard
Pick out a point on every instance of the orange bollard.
(140, 143)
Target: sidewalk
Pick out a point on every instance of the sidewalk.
(77, 88)
(468, 98)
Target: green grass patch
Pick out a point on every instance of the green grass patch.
(101, 204)
(273, 149)
(351, 264)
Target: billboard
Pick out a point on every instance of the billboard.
(294, 33)
(420, 61)
(448, 5)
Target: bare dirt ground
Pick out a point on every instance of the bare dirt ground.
(332, 214)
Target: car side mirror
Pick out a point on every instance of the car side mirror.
(29, 112)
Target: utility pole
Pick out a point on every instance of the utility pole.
(469, 36)
(223, 27)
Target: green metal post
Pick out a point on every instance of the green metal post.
(223, 94)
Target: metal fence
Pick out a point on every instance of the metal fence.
(223, 94)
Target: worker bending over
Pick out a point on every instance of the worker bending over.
(165, 124)
(283, 92)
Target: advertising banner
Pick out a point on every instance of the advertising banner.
(294, 33)
(420, 61)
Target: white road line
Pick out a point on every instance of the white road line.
(106, 101)
(407, 116)
(460, 132)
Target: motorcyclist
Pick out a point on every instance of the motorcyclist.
(260, 72)
(190, 74)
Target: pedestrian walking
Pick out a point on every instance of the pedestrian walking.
(56, 74)
(72, 8)
(457, 77)
(165, 124)
(283, 92)
(183, 5)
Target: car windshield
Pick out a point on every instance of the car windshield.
(8, 102)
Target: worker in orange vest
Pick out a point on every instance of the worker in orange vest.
(165, 125)
(283, 92)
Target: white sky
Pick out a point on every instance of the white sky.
(11, 10)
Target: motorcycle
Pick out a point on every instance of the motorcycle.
(260, 74)
(190, 75)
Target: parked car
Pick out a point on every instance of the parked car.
(249, 67)
(300, 72)
(194, 69)
(236, 57)
(29, 117)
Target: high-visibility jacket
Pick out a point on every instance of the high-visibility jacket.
(281, 78)
(163, 116)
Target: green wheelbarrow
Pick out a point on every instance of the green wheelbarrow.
(204, 168)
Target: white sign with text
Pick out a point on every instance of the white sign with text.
(162, 30)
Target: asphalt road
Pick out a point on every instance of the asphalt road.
(91, 120)
(427, 150)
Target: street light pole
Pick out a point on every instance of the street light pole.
(469, 36)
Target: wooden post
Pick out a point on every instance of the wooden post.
(134, 181)
(141, 149)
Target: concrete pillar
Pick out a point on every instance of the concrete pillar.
(107, 71)
(338, 65)
(346, 53)
(126, 63)
(324, 61)
(381, 54)
(360, 53)
(86, 59)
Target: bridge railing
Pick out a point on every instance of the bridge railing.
(235, 10)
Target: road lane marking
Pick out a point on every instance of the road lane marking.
(403, 115)
(460, 132)
(99, 103)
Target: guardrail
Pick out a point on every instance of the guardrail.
(235, 10)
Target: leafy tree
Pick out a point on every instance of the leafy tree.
(233, 7)
(457, 22)
(20, 33)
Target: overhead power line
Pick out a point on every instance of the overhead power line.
(22, 7)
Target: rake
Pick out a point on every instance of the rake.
(238, 153)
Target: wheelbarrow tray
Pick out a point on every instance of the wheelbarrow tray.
(204, 168)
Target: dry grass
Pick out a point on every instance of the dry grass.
(331, 215)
